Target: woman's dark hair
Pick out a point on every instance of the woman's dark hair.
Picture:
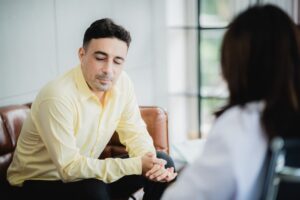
(260, 62)
(106, 28)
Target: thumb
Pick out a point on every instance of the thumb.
(150, 154)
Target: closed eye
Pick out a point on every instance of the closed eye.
(118, 61)
(100, 58)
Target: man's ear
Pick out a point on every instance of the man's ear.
(81, 53)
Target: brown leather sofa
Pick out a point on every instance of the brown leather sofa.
(12, 117)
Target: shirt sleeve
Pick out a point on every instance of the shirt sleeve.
(55, 122)
(211, 176)
(132, 129)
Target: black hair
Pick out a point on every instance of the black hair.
(260, 62)
(106, 28)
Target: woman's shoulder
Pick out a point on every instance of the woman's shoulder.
(241, 112)
(237, 121)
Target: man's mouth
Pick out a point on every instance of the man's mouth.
(104, 80)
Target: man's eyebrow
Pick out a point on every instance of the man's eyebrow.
(105, 54)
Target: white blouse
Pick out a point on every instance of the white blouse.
(230, 164)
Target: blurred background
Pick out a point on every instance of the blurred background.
(173, 60)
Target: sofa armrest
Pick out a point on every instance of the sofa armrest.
(156, 120)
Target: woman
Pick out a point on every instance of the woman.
(260, 63)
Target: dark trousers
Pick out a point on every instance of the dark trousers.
(89, 189)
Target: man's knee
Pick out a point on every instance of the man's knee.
(166, 157)
(92, 189)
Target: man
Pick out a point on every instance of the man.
(73, 118)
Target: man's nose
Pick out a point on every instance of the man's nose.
(107, 68)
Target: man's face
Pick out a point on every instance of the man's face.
(102, 62)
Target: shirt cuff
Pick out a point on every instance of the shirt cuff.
(133, 166)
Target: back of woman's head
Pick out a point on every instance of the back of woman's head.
(260, 62)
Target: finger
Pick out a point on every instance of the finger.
(160, 161)
(171, 169)
(171, 177)
(153, 170)
(163, 176)
(157, 173)
(150, 154)
(163, 162)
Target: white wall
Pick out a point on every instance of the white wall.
(40, 38)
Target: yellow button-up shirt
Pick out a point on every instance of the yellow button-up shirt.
(68, 128)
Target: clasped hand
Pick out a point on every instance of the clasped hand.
(154, 169)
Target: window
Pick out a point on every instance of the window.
(195, 86)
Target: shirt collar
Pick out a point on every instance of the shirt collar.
(84, 90)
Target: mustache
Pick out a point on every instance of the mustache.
(104, 77)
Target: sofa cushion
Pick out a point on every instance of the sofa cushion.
(6, 149)
(5, 141)
(13, 118)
